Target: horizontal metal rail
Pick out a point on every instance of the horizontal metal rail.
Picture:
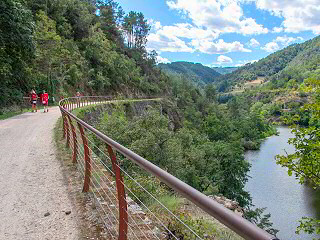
(227, 217)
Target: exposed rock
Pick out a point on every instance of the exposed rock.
(67, 212)
(230, 204)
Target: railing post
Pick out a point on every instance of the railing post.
(123, 214)
(87, 173)
(75, 142)
(67, 131)
(64, 125)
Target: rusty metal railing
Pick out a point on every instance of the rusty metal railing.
(74, 135)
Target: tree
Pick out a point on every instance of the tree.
(16, 49)
(111, 18)
(136, 29)
(80, 16)
(211, 92)
(305, 161)
(257, 217)
(48, 43)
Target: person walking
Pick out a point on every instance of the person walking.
(44, 100)
(33, 100)
(78, 95)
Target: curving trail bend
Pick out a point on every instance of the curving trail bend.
(31, 181)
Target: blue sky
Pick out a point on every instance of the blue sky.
(225, 32)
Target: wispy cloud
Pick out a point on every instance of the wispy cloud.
(253, 43)
(162, 60)
(283, 41)
(224, 59)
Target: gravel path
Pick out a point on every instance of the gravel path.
(31, 181)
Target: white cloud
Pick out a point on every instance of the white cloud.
(169, 39)
(218, 47)
(224, 59)
(271, 47)
(162, 60)
(299, 15)
(186, 30)
(154, 24)
(287, 40)
(218, 16)
(277, 29)
(249, 27)
(253, 43)
(283, 41)
(160, 42)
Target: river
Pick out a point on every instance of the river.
(271, 187)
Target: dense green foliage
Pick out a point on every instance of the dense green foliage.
(64, 46)
(16, 50)
(195, 72)
(194, 138)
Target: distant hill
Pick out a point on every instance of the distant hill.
(224, 70)
(295, 62)
(195, 72)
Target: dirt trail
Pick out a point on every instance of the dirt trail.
(31, 181)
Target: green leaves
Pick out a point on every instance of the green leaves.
(211, 165)
(309, 225)
(305, 162)
(136, 29)
(16, 49)
(257, 217)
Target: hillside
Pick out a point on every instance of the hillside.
(196, 72)
(63, 47)
(297, 61)
(224, 70)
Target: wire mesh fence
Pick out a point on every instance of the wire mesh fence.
(129, 204)
(143, 222)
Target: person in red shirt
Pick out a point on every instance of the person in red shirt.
(44, 100)
(33, 100)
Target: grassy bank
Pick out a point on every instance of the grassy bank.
(90, 226)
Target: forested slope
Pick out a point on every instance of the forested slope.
(195, 72)
(224, 70)
(295, 62)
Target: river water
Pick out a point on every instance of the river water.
(271, 187)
